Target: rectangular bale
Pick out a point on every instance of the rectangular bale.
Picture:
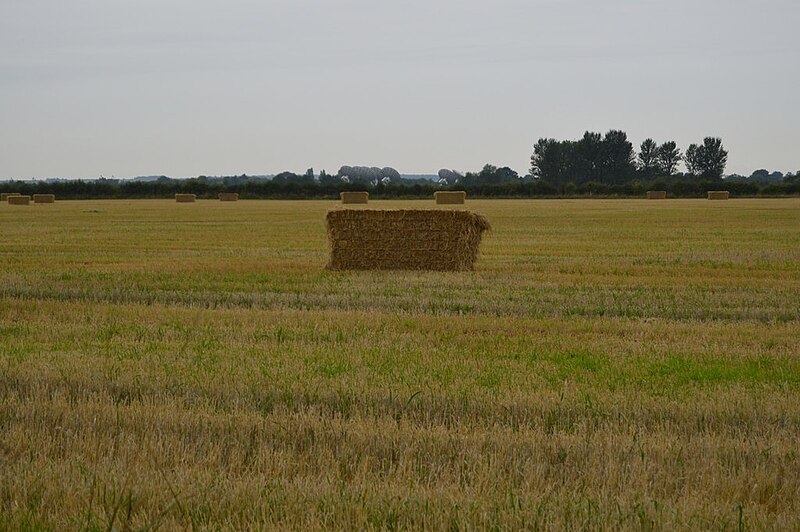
(19, 200)
(656, 194)
(448, 197)
(228, 196)
(354, 197)
(185, 198)
(4, 195)
(44, 198)
(719, 194)
(369, 239)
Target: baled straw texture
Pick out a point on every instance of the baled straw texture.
(4, 195)
(656, 194)
(444, 240)
(185, 198)
(228, 196)
(354, 197)
(44, 198)
(19, 200)
(446, 197)
(718, 194)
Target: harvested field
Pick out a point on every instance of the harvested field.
(718, 194)
(354, 197)
(185, 198)
(609, 364)
(404, 239)
(656, 194)
(44, 198)
(446, 197)
(228, 196)
(18, 200)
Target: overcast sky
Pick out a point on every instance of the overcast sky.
(189, 87)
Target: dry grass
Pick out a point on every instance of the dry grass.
(446, 197)
(718, 194)
(656, 194)
(609, 365)
(404, 239)
(354, 197)
(185, 198)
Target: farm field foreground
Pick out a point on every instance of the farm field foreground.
(610, 364)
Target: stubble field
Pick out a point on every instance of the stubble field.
(610, 364)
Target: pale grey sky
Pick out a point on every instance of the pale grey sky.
(188, 87)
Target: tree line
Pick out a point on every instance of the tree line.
(594, 165)
(611, 159)
(676, 186)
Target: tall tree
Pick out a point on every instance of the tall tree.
(328, 179)
(648, 157)
(487, 174)
(693, 159)
(707, 160)
(505, 175)
(669, 155)
(618, 157)
(549, 161)
(715, 158)
(585, 158)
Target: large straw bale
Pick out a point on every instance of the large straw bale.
(228, 196)
(19, 200)
(185, 198)
(432, 239)
(656, 194)
(4, 195)
(44, 198)
(447, 197)
(354, 197)
(718, 194)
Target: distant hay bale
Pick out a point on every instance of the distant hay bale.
(656, 194)
(19, 200)
(185, 198)
(444, 240)
(228, 196)
(446, 197)
(44, 198)
(718, 194)
(4, 195)
(354, 197)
